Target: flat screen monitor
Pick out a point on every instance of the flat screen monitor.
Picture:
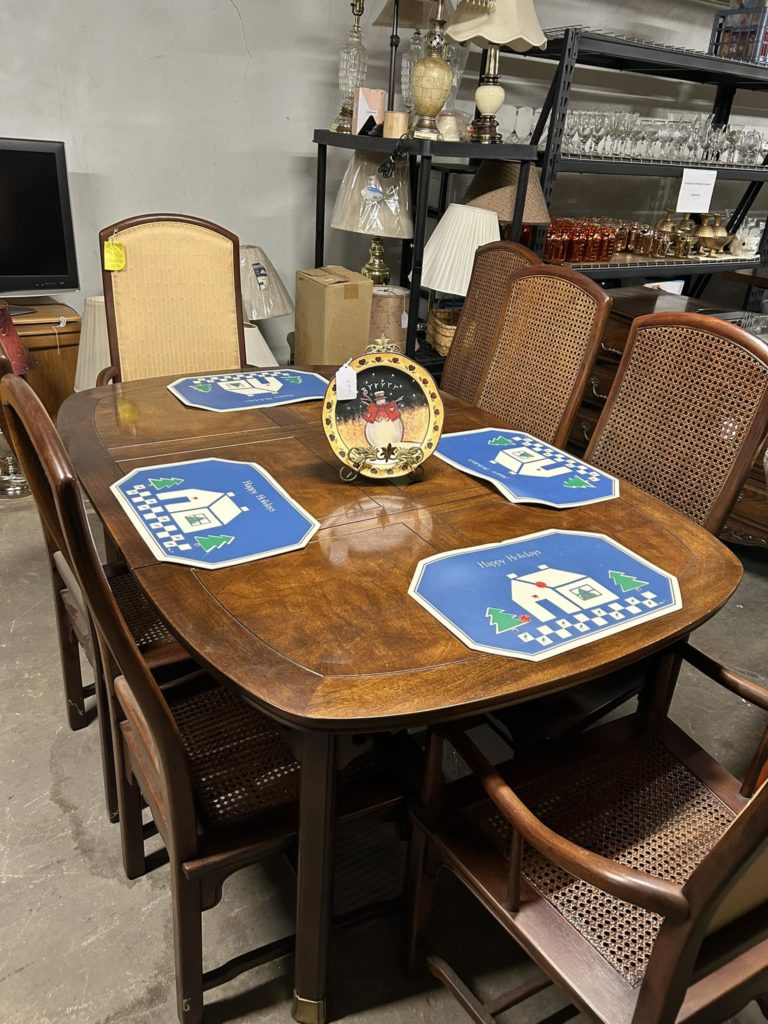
(37, 244)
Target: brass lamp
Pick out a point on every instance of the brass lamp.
(431, 80)
(372, 202)
(512, 23)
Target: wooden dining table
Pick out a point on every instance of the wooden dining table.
(326, 640)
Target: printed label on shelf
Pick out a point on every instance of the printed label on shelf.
(695, 195)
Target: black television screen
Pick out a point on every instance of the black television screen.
(37, 248)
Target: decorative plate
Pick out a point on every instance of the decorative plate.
(392, 426)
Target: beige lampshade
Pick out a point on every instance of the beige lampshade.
(450, 252)
(512, 23)
(264, 294)
(494, 187)
(93, 352)
(371, 204)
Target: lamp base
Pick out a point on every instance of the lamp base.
(376, 268)
(425, 127)
(343, 123)
(485, 129)
(13, 484)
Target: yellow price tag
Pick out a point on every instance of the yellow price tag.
(114, 256)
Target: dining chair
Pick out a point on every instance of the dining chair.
(75, 631)
(476, 330)
(628, 864)
(684, 420)
(176, 305)
(550, 325)
(219, 777)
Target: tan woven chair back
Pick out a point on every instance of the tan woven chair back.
(687, 413)
(176, 306)
(551, 326)
(493, 268)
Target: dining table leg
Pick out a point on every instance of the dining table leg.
(317, 813)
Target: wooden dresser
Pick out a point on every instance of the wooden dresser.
(748, 523)
(52, 334)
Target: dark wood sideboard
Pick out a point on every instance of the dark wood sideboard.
(748, 522)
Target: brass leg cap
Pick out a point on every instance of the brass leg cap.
(307, 1011)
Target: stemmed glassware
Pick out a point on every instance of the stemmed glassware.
(620, 135)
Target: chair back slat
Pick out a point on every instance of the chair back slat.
(176, 306)
(56, 491)
(476, 330)
(551, 326)
(687, 413)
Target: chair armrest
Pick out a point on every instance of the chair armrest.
(655, 894)
(733, 681)
(106, 376)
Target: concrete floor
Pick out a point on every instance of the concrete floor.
(78, 942)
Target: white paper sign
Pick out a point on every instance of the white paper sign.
(696, 190)
(346, 383)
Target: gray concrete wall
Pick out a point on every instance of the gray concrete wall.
(208, 106)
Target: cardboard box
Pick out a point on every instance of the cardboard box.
(333, 315)
(367, 103)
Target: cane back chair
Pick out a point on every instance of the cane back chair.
(684, 420)
(74, 630)
(176, 306)
(476, 330)
(219, 776)
(628, 864)
(550, 326)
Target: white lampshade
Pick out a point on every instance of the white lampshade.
(93, 351)
(264, 294)
(512, 23)
(450, 252)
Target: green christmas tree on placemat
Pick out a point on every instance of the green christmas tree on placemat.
(293, 379)
(209, 544)
(500, 442)
(164, 483)
(625, 582)
(504, 621)
(203, 387)
(577, 481)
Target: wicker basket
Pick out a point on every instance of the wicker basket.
(441, 327)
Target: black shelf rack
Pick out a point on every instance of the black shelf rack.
(421, 152)
(579, 46)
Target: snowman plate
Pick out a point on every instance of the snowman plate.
(393, 424)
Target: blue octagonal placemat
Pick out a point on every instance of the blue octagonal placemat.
(248, 389)
(524, 468)
(210, 513)
(543, 594)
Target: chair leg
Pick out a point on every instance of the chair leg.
(107, 745)
(418, 904)
(188, 946)
(70, 666)
(131, 823)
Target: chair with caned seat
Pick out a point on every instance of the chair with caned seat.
(627, 863)
(218, 775)
(74, 628)
(549, 329)
(685, 418)
(476, 330)
(175, 306)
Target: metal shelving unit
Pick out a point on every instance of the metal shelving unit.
(421, 153)
(578, 46)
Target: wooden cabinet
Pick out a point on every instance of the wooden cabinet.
(52, 334)
(748, 522)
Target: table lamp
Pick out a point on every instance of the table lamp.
(450, 252)
(353, 65)
(511, 23)
(265, 297)
(495, 187)
(431, 80)
(373, 203)
(399, 14)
